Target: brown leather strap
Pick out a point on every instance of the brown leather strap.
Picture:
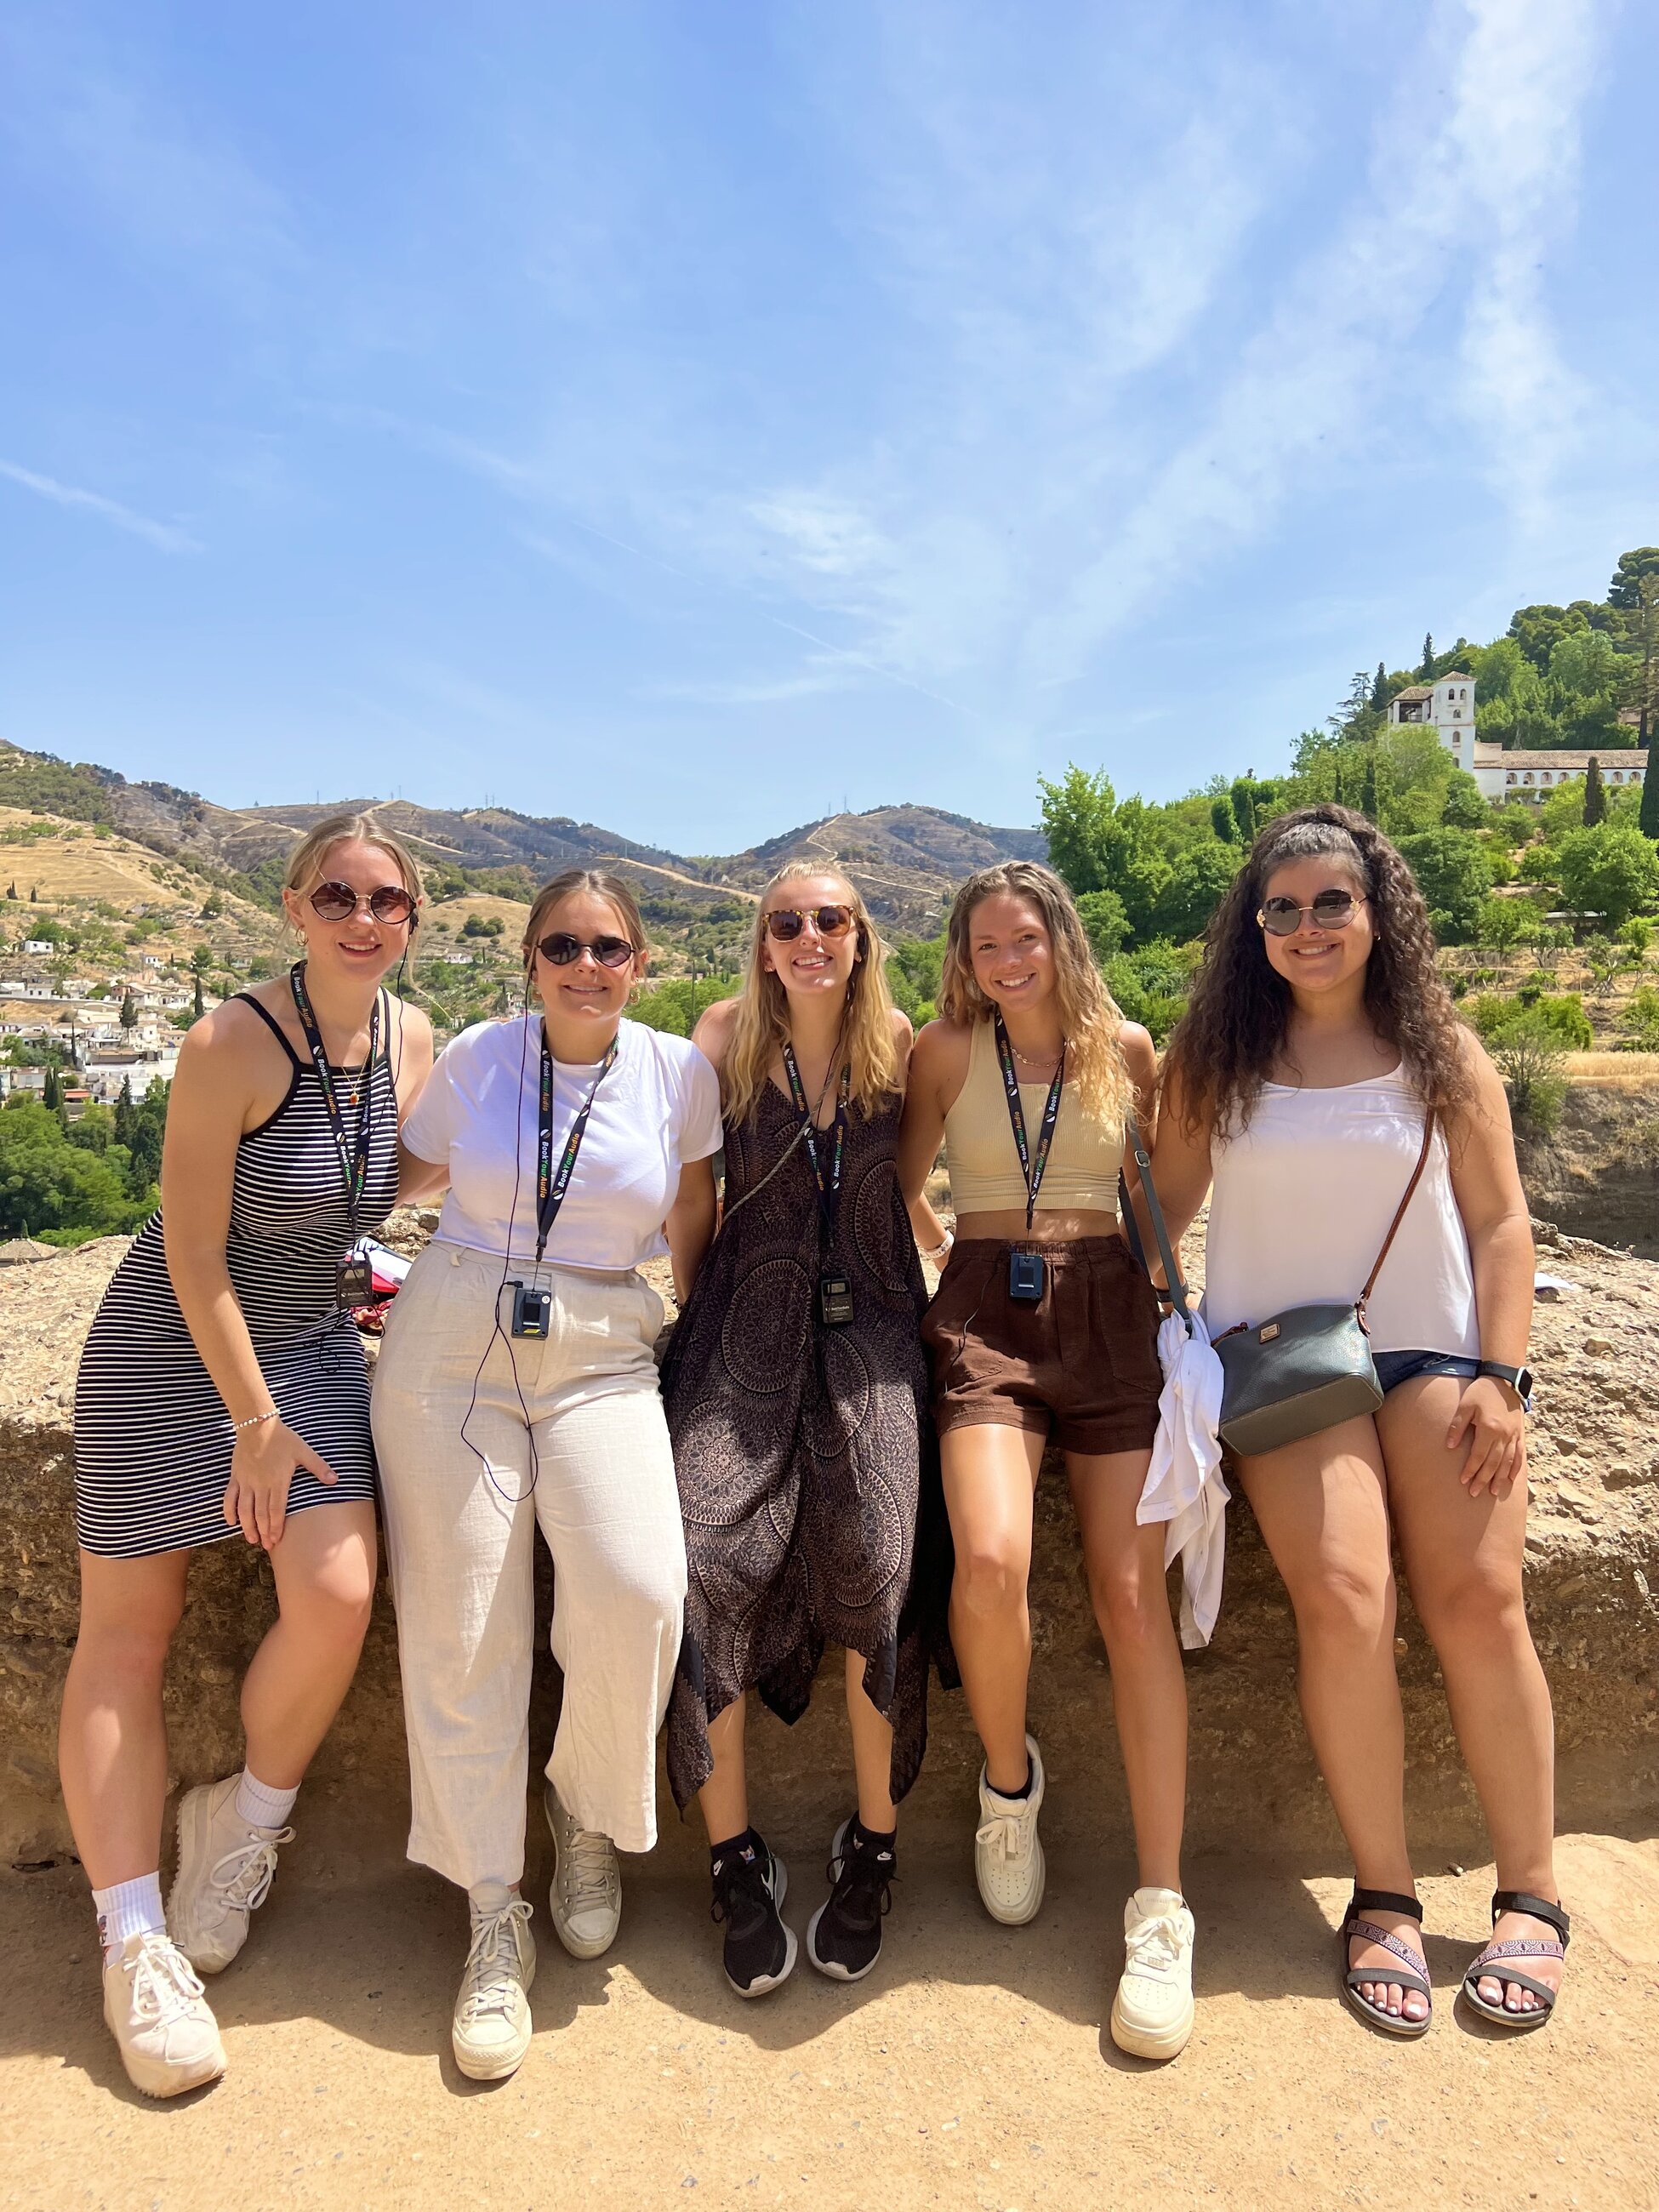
(1394, 1226)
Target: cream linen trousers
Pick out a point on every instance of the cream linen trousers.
(567, 1433)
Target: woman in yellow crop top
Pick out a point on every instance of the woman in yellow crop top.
(1044, 1325)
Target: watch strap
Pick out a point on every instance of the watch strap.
(1518, 1378)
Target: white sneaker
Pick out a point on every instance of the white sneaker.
(1153, 2012)
(225, 1873)
(489, 2033)
(163, 2026)
(1008, 1862)
(586, 1898)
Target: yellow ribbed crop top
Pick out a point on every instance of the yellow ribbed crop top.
(1084, 1159)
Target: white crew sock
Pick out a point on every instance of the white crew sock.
(261, 1806)
(129, 1908)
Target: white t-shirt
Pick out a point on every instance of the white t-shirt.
(658, 1106)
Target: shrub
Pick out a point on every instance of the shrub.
(1563, 1016)
(1528, 1056)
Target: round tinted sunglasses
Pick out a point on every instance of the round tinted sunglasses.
(336, 902)
(785, 923)
(561, 949)
(1333, 910)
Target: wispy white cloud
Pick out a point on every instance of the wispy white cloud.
(167, 537)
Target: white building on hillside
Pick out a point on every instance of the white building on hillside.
(1447, 707)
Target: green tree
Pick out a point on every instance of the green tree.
(1223, 820)
(1585, 662)
(1426, 673)
(1465, 807)
(1380, 688)
(1529, 1055)
(1452, 875)
(1198, 882)
(50, 1186)
(1079, 814)
(52, 1097)
(1595, 795)
(1610, 871)
(1368, 805)
(1244, 809)
(129, 1015)
(198, 1007)
(1501, 923)
(1649, 818)
(1106, 923)
(1634, 596)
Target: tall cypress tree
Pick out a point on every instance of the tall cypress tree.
(1368, 791)
(1223, 820)
(1243, 798)
(1648, 816)
(1596, 796)
(1427, 670)
(52, 1096)
(1380, 687)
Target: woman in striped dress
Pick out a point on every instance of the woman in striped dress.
(223, 1395)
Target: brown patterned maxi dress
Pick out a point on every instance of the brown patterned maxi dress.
(807, 1462)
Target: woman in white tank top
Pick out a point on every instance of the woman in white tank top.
(1319, 1033)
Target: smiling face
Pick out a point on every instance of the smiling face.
(360, 945)
(582, 994)
(1011, 952)
(1318, 959)
(811, 965)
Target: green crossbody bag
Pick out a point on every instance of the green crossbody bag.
(1307, 1367)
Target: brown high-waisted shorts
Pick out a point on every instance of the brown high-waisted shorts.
(1080, 1364)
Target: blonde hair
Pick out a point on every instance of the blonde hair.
(763, 1017)
(1090, 1018)
(305, 863)
(598, 883)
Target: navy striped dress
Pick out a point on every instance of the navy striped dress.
(152, 1437)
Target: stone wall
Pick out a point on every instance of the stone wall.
(1593, 1588)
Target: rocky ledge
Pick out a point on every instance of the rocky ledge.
(1593, 1592)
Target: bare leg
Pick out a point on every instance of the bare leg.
(111, 1738)
(872, 1752)
(990, 1481)
(1124, 1564)
(723, 1800)
(325, 1571)
(1321, 1505)
(1463, 1559)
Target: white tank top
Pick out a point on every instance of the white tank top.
(1302, 1199)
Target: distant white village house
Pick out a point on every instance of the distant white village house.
(1447, 707)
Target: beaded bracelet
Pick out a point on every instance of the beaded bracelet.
(254, 1419)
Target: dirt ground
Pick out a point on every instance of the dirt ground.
(971, 2069)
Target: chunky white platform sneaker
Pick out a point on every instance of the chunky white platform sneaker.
(585, 1898)
(225, 1873)
(1153, 2012)
(163, 2026)
(490, 2031)
(1008, 1862)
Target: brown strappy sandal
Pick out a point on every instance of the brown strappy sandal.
(1414, 1974)
(1487, 1966)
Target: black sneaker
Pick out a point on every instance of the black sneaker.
(843, 1938)
(750, 1883)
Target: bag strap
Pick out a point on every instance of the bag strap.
(1179, 1294)
(1364, 1298)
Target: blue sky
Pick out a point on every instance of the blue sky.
(697, 418)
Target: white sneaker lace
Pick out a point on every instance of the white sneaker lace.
(1153, 1947)
(164, 1984)
(494, 1964)
(244, 1875)
(587, 1869)
(1004, 1833)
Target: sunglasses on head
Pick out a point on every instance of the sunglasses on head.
(562, 948)
(787, 922)
(335, 901)
(1331, 909)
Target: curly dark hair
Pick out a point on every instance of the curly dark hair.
(1235, 1025)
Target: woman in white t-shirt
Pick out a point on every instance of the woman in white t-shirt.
(1320, 1061)
(516, 1388)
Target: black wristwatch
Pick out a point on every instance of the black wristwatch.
(1518, 1378)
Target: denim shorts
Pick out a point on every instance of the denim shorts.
(1394, 1368)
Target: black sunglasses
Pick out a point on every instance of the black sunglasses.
(561, 949)
(1331, 909)
(335, 901)
(787, 922)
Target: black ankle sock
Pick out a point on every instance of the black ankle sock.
(874, 1840)
(743, 1839)
(1024, 1788)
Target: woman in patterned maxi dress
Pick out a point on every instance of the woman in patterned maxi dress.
(796, 1389)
